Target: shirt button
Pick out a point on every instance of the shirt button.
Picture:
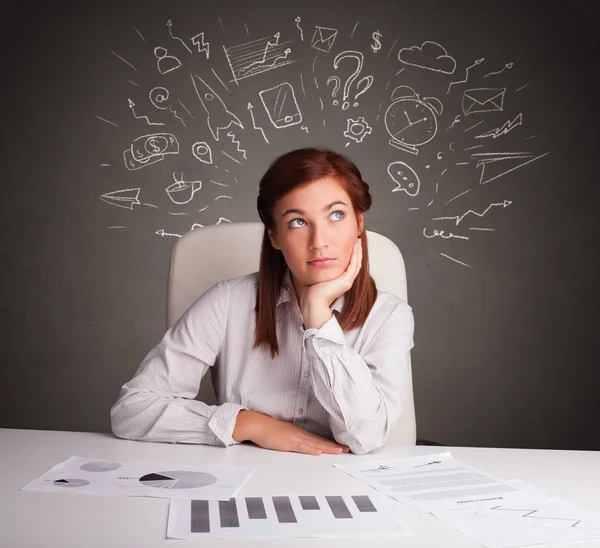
(321, 344)
(300, 411)
(306, 374)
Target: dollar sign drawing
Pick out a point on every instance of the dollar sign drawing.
(377, 45)
(153, 145)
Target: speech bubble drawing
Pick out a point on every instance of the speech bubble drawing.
(405, 178)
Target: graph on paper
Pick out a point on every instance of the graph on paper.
(285, 516)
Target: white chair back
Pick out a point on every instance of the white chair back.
(205, 256)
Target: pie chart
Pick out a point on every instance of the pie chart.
(178, 479)
(70, 482)
(100, 466)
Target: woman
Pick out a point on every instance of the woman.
(308, 355)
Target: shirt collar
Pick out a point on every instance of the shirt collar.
(287, 293)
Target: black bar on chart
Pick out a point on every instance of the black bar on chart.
(338, 507)
(256, 508)
(228, 513)
(364, 503)
(284, 510)
(309, 503)
(200, 522)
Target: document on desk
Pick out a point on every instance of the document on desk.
(437, 482)
(286, 516)
(81, 475)
(530, 522)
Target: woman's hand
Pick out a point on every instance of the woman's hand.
(316, 299)
(279, 435)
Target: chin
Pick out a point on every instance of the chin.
(324, 275)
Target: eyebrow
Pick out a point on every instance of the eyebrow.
(300, 212)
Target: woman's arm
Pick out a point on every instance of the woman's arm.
(364, 395)
(158, 403)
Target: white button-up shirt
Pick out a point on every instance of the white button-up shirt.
(348, 386)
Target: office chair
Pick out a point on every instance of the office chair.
(205, 256)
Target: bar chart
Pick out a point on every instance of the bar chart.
(286, 516)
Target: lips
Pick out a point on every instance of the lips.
(321, 261)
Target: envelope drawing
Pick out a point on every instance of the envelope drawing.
(323, 38)
(483, 100)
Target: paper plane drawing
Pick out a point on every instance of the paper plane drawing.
(122, 198)
(496, 164)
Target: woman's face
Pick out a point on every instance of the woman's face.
(312, 222)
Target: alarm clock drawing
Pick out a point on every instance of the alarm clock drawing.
(410, 120)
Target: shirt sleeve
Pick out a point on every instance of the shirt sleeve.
(363, 394)
(158, 403)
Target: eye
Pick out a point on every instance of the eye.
(337, 215)
(294, 223)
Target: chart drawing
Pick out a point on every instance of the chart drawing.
(178, 479)
(257, 56)
(70, 482)
(100, 466)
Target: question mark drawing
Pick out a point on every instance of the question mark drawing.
(359, 57)
(336, 86)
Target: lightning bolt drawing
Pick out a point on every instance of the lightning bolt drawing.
(506, 127)
(231, 135)
(459, 218)
(250, 107)
(202, 46)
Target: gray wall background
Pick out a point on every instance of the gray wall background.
(506, 349)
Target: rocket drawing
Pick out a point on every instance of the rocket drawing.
(218, 117)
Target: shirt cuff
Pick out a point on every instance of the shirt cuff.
(319, 341)
(222, 423)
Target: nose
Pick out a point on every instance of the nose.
(318, 237)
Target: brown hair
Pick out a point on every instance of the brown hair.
(286, 173)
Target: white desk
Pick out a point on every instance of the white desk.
(34, 519)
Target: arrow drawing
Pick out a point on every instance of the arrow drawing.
(459, 218)
(131, 105)
(250, 107)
